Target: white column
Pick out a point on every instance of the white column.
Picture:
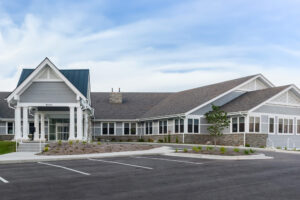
(79, 123)
(86, 126)
(42, 126)
(72, 131)
(36, 136)
(18, 123)
(25, 123)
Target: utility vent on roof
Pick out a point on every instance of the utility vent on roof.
(115, 97)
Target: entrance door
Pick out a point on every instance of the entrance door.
(62, 131)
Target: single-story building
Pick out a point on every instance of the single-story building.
(57, 104)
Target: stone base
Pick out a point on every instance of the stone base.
(7, 137)
(254, 140)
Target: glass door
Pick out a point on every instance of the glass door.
(62, 131)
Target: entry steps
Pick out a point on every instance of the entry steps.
(31, 147)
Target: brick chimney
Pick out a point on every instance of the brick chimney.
(115, 97)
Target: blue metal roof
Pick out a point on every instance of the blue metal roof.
(78, 77)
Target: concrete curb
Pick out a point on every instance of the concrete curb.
(218, 157)
(31, 157)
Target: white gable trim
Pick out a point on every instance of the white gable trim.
(229, 91)
(44, 63)
(275, 96)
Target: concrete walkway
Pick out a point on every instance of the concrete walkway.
(21, 157)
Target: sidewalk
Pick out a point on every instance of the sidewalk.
(21, 157)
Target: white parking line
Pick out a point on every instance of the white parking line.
(181, 161)
(3, 180)
(105, 161)
(73, 170)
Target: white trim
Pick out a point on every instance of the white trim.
(229, 91)
(30, 78)
(48, 104)
(274, 125)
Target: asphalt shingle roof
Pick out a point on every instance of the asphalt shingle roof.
(78, 77)
(252, 99)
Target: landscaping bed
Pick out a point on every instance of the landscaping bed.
(7, 147)
(218, 151)
(75, 148)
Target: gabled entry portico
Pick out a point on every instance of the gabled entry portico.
(47, 94)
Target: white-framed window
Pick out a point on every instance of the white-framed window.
(3, 128)
(10, 128)
(163, 127)
(298, 126)
(108, 128)
(149, 128)
(238, 124)
(271, 125)
(285, 125)
(129, 128)
(254, 124)
(179, 125)
(193, 125)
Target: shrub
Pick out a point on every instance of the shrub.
(200, 148)
(165, 140)
(208, 148)
(161, 141)
(77, 141)
(83, 142)
(278, 147)
(150, 140)
(285, 148)
(195, 149)
(46, 149)
(247, 145)
(176, 150)
(246, 152)
(99, 143)
(223, 150)
(185, 150)
(262, 146)
(177, 140)
(141, 140)
(59, 142)
(252, 151)
(70, 142)
(236, 150)
(47, 145)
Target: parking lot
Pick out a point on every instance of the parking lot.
(153, 177)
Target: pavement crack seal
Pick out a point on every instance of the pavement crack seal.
(119, 163)
(66, 168)
(3, 180)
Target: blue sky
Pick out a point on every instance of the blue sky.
(157, 45)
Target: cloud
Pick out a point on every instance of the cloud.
(174, 47)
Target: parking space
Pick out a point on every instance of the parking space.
(150, 177)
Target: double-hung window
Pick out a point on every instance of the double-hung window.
(285, 126)
(163, 127)
(108, 128)
(271, 124)
(190, 125)
(238, 124)
(129, 128)
(179, 125)
(254, 124)
(148, 128)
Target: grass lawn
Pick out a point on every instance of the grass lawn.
(7, 147)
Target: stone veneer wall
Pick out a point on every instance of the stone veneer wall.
(6, 137)
(254, 140)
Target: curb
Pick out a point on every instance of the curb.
(218, 157)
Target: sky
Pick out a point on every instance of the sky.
(153, 45)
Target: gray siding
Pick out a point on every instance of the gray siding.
(203, 126)
(274, 109)
(48, 92)
(264, 124)
(219, 102)
(289, 141)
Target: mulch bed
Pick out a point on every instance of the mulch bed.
(88, 148)
(216, 151)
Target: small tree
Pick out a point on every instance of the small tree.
(217, 120)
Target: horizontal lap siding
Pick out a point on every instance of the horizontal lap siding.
(48, 92)
(274, 109)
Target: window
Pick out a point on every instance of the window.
(291, 126)
(10, 128)
(126, 128)
(280, 125)
(2, 127)
(163, 127)
(176, 125)
(286, 124)
(148, 128)
(133, 129)
(238, 124)
(298, 126)
(271, 125)
(254, 124)
(111, 128)
(190, 125)
(196, 125)
(104, 128)
(234, 124)
(181, 125)
(241, 124)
